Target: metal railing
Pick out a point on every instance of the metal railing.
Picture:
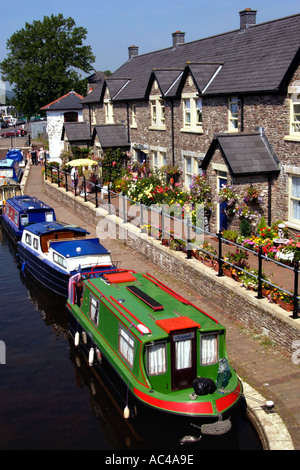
(187, 234)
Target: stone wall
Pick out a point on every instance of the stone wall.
(256, 315)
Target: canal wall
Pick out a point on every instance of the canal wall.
(257, 315)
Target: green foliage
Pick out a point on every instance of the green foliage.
(44, 61)
(245, 228)
(112, 165)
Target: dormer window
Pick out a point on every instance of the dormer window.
(295, 114)
(108, 109)
(233, 117)
(192, 113)
(157, 109)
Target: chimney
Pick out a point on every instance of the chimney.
(133, 51)
(178, 38)
(247, 18)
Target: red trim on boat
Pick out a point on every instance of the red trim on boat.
(176, 323)
(228, 400)
(116, 278)
(192, 407)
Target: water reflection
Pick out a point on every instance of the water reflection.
(52, 399)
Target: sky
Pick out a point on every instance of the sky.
(114, 25)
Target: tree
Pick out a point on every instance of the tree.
(44, 62)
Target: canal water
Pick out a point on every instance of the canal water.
(50, 397)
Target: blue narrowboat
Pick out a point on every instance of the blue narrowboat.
(21, 211)
(10, 168)
(54, 253)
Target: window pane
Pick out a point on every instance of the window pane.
(126, 346)
(156, 358)
(183, 352)
(209, 349)
(295, 187)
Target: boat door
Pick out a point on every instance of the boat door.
(183, 358)
(223, 221)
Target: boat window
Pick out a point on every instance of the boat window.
(16, 218)
(209, 349)
(94, 310)
(28, 239)
(126, 345)
(48, 216)
(35, 243)
(183, 351)
(60, 260)
(156, 358)
(24, 219)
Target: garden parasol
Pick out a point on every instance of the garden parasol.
(81, 162)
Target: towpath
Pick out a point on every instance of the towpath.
(262, 365)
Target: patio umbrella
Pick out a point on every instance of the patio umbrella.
(81, 162)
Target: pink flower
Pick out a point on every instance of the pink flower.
(113, 163)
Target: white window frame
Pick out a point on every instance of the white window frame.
(157, 112)
(60, 260)
(159, 158)
(189, 173)
(192, 113)
(209, 348)
(94, 310)
(233, 115)
(133, 115)
(295, 115)
(28, 239)
(156, 358)
(126, 345)
(293, 198)
(94, 115)
(183, 354)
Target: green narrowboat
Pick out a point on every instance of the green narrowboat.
(169, 354)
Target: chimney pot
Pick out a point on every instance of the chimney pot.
(247, 18)
(178, 38)
(133, 51)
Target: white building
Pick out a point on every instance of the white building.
(68, 108)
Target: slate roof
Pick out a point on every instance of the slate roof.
(71, 100)
(111, 135)
(96, 95)
(255, 59)
(244, 154)
(76, 131)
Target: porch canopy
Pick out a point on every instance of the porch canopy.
(111, 135)
(244, 154)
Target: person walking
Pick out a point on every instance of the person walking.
(74, 178)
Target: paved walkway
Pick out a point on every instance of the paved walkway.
(264, 367)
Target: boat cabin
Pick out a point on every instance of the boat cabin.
(161, 344)
(8, 188)
(65, 246)
(10, 168)
(21, 211)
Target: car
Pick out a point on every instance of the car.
(3, 125)
(14, 133)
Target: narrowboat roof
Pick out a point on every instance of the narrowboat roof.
(45, 227)
(7, 163)
(23, 203)
(145, 302)
(71, 248)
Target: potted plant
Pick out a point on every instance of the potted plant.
(252, 196)
(227, 194)
(172, 173)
